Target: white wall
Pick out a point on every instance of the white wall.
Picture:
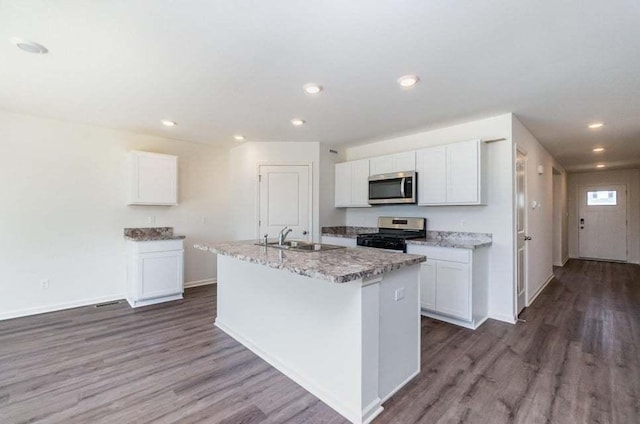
(539, 188)
(630, 177)
(63, 209)
(243, 168)
(560, 220)
(496, 217)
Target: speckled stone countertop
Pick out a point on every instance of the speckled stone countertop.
(150, 234)
(458, 240)
(337, 266)
(455, 239)
(347, 232)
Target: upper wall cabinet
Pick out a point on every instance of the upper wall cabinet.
(153, 179)
(352, 184)
(397, 162)
(452, 174)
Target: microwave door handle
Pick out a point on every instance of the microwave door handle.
(402, 188)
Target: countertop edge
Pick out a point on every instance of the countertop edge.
(339, 279)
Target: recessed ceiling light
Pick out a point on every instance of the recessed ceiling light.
(168, 123)
(312, 88)
(297, 122)
(600, 165)
(238, 137)
(598, 149)
(408, 81)
(29, 46)
(596, 125)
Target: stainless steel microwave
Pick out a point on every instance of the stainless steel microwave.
(389, 189)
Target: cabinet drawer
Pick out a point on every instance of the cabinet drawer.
(155, 246)
(441, 253)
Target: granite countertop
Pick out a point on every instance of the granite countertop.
(151, 234)
(347, 232)
(336, 266)
(455, 239)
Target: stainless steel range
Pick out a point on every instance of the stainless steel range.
(393, 233)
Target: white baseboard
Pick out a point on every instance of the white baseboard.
(534, 297)
(139, 303)
(564, 261)
(59, 306)
(199, 283)
(504, 318)
(370, 412)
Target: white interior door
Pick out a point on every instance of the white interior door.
(285, 196)
(603, 222)
(521, 229)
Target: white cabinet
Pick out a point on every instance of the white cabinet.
(453, 293)
(154, 271)
(428, 284)
(432, 175)
(352, 184)
(340, 241)
(153, 179)
(397, 162)
(452, 174)
(454, 284)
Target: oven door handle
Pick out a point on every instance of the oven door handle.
(402, 188)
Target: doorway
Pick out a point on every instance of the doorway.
(285, 200)
(521, 230)
(602, 222)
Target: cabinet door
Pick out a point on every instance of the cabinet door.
(462, 172)
(160, 274)
(453, 294)
(154, 179)
(405, 161)
(428, 285)
(432, 176)
(342, 184)
(381, 165)
(359, 183)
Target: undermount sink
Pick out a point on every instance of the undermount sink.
(301, 246)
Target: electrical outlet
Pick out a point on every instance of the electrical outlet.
(44, 284)
(151, 220)
(399, 295)
(205, 220)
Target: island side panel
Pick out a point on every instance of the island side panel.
(312, 330)
(399, 329)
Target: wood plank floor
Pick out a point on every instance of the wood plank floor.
(575, 360)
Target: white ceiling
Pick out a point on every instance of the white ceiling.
(238, 66)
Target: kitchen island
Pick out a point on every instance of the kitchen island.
(344, 323)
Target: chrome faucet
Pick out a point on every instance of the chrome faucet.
(283, 235)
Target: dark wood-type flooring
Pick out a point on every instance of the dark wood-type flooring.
(575, 360)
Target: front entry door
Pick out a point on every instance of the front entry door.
(285, 198)
(521, 228)
(603, 222)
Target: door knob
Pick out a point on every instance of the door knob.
(527, 238)
(305, 232)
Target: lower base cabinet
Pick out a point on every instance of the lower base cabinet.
(154, 271)
(454, 284)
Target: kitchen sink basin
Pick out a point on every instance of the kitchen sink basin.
(301, 246)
